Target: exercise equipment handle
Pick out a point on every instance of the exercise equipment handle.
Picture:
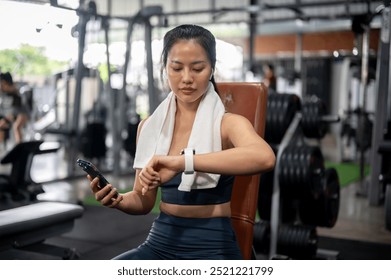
(384, 147)
(330, 118)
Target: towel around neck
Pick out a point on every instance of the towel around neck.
(205, 137)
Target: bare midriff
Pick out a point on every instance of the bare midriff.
(197, 211)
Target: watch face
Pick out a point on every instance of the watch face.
(183, 151)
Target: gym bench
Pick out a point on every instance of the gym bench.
(27, 227)
(25, 222)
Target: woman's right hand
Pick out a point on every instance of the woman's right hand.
(107, 196)
(159, 170)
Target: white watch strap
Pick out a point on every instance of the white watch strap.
(189, 161)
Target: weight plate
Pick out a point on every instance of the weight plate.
(297, 241)
(313, 110)
(281, 109)
(323, 210)
(264, 206)
(261, 237)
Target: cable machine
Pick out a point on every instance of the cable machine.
(380, 177)
(118, 115)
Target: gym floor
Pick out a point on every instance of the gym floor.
(103, 233)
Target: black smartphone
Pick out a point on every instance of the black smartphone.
(93, 171)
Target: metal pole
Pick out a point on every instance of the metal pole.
(253, 30)
(153, 98)
(382, 89)
(120, 114)
(67, 78)
(363, 99)
(299, 61)
(80, 69)
(109, 73)
(79, 72)
(109, 89)
(276, 196)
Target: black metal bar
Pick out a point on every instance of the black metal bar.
(153, 98)
(330, 118)
(79, 73)
(272, 20)
(253, 32)
(248, 9)
(121, 101)
(313, 4)
(384, 147)
(382, 88)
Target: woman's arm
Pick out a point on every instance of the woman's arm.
(137, 203)
(247, 152)
(133, 202)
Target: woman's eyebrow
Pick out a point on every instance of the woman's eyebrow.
(192, 63)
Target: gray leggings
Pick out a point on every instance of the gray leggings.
(175, 238)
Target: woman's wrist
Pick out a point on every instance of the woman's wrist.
(188, 155)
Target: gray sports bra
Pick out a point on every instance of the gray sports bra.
(217, 195)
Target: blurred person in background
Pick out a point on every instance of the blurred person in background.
(269, 78)
(13, 114)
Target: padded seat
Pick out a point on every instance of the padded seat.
(35, 216)
(250, 101)
(30, 224)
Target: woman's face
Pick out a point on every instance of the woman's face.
(188, 70)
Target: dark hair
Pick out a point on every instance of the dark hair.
(7, 77)
(187, 32)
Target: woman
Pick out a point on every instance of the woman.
(269, 79)
(194, 222)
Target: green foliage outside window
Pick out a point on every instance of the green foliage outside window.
(29, 60)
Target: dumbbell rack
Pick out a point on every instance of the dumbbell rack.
(294, 134)
(290, 122)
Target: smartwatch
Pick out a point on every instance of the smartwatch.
(189, 160)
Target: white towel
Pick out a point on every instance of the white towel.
(156, 135)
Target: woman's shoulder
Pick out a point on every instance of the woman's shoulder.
(233, 124)
(232, 118)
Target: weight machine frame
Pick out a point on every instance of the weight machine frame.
(275, 207)
(383, 86)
